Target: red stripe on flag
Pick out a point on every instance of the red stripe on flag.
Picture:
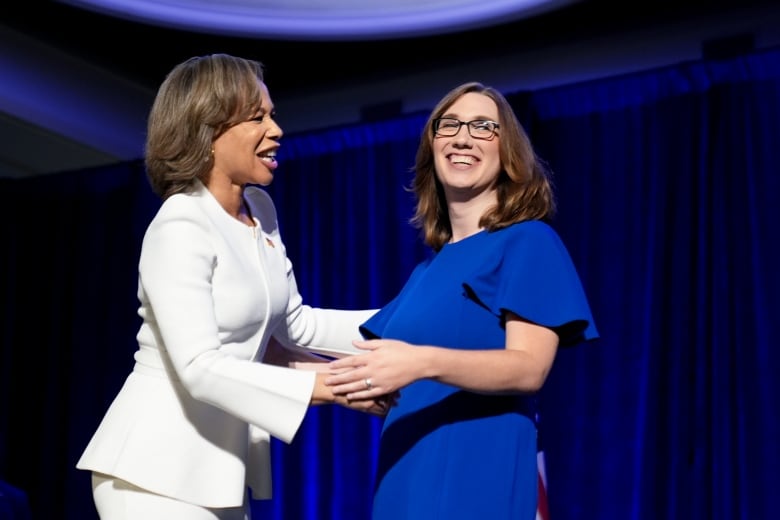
(542, 511)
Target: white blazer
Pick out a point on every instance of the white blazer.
(194, 418)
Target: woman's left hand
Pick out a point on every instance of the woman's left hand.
(386, 367)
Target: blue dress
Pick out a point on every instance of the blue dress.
(446, 453)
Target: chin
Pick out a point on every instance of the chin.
(266, 180)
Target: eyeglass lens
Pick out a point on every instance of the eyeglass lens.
(479, 128)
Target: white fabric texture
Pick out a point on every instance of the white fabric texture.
(193, 420)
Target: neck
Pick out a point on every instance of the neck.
(465, 215)
(231, 197)
(245, 214)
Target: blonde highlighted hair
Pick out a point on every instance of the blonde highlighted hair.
(197, 102)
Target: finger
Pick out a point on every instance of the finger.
(349, 388)
(365, 344)
(337, 371)
(346, 363)
(362, 395)
(368, 406)
(352, 377)
(381, 412)
(336, 385)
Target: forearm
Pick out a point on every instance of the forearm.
(483, 371)
(326, 331)
(389, 365)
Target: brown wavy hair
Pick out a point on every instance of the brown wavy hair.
(524, 184)
(197, 102)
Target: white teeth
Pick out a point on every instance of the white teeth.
(268, 156)
(464, 159)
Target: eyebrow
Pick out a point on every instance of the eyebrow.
(476, 118)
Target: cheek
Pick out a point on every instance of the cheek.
(437, 148)
(439, 162)
(493, 168)
(493, 155)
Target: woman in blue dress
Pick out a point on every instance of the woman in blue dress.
(473, 334)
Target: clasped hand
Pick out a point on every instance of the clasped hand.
(378, 405)
(383, 370)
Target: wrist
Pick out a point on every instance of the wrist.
(322, 394)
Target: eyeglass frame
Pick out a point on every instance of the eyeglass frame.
(438, 120)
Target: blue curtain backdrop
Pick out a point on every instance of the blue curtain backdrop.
(668, 183)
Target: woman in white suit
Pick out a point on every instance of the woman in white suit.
(189, 431)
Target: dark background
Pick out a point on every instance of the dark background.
(145, 53)
(317, 84)
(667, 173)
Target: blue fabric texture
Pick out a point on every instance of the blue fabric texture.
(449, 453)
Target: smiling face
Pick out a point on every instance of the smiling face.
(468, 167)
(246, 152)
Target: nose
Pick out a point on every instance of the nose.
(275, 130)
(462, 137)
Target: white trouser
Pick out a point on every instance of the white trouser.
(116, 499)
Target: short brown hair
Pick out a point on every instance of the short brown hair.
(197, 102)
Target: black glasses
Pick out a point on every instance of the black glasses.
(478, 128)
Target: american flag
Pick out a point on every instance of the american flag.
(542, 512)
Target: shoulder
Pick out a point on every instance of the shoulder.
(181, 217)
(530, 229)
(180, 232)
(532, 244)
(178, 203)
(181, 206)
(531, 234)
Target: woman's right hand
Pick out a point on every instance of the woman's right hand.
(376, 406)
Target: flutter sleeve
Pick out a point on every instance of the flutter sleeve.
(530, 273)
